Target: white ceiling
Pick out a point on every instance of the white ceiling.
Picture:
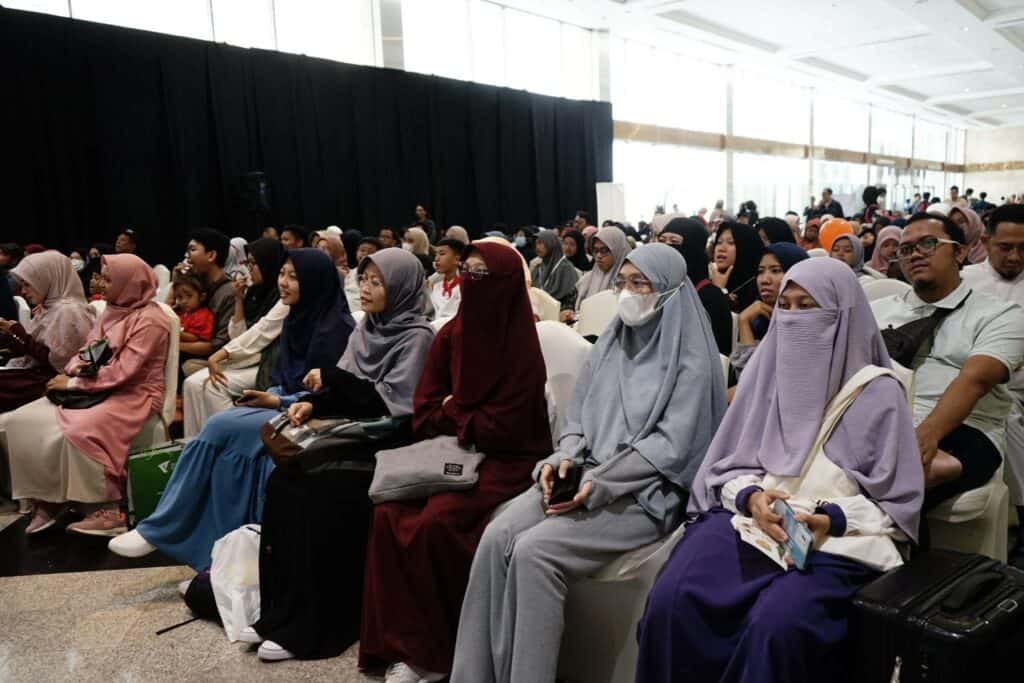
(958, 61)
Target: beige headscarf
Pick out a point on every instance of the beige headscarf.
(457, 232)
(62, 322)
(420, 241)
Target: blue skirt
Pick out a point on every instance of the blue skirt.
(216, 487)
(722, 611)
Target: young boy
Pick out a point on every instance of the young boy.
(189, 299)
(444, 283)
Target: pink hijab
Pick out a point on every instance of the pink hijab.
(976, 252)
(63, 320)
(891, 232)
(138, 332)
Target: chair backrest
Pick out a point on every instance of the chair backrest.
(99, 306)
(564, 354)
(170, 365)
(735, 331)
(725, 368)
(24, 312)
(163, 275)
(547, 306)
(440, 322)
(358, 316)
(879, 289)
(817, 252)
(596, 312)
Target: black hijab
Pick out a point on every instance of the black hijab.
(316, 331)
(579, 259)
(776, 230)
(351, 239)
(693, 248)
(259, 299)
(742, 282)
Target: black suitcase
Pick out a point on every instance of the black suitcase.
(944, 616)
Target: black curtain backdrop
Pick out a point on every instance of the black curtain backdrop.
(104, 128)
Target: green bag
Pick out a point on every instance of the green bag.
(149, 470)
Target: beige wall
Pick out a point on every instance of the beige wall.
(995, 146)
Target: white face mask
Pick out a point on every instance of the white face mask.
(636, 309)
(407, 246)
(77, 264)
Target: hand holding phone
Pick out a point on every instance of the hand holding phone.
(799, 537)
(564, 489)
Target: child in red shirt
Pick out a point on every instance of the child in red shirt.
(189, 297)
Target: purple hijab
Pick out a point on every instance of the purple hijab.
(774, 419)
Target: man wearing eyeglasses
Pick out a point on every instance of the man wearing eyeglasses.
(1002, 277)
(961, 374)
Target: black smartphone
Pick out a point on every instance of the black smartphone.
(243, 399)
(563, 490)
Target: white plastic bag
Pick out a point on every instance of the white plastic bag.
(235, 575)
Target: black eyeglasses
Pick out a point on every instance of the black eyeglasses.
(925, 246)
(475, 273)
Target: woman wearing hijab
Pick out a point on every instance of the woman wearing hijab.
(92, 267)
(218, 482)
(973, 229)
(849, 250)
(638, 459)
(311, 585)
(575, 251)
(754, 320)
(251, 353)
(774, 230)
(723, 608)
(458, 233)
(885, 248)
(689, 237)
(58, 329)
(420, 551)
(737, 251)
(331, 244)
(610, 250)
(58, 455)
(415, 240)
(234, 267)
(554, 274)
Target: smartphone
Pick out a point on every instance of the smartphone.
(563, 490)
(800, 539)
(243, 399)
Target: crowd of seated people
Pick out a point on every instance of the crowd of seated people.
(472, 584)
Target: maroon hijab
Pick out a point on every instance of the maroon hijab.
(494, 367)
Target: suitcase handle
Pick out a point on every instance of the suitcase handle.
(970, 591)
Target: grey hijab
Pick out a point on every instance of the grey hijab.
(390, 348)
(858, 253)
(594, 280)
(555, 274)
(656, 389)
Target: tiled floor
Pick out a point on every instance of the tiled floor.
(101, 626)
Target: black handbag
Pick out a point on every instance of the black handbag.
(905, 341)
(95, 356)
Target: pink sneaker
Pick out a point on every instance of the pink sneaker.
(44, 516)
(103, 522)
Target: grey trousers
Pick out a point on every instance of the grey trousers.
(512, 617)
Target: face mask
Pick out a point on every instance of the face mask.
(520, 241)
(77, 264)
(407, 246)
(636, 309)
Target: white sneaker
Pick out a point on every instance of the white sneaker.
(272, 652)
(183, 587)
(400, 672)
(131, 544)
(249, 635)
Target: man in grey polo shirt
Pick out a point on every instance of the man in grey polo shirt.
(961, 398)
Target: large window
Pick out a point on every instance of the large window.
(891, 133)
(436, 37)
(680, 179)
(189, 18)
(929, 140)
(840, 123)
(246, 23)
(770, 109)
(775, 184)
(342, 31)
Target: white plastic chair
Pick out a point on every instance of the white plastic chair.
(163, 281)
(156, 429)
(100, 305)
(735, 331)
(358, 316)
(817, 252)
(725, 368)
(879, 289)
(545, 305)
(596, 312)
(564, 354)
(24, 312)
(440, 322)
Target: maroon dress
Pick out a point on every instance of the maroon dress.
(19, 386)
(488, 359)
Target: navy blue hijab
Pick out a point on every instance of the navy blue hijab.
(788, 254)
(317, 328)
